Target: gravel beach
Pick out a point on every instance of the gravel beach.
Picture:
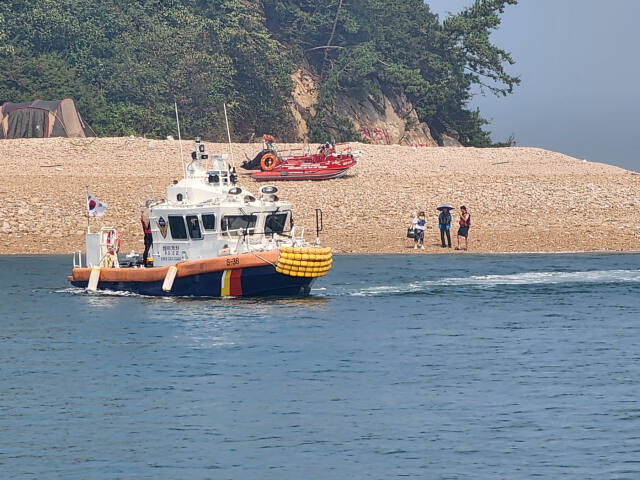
(520, 199)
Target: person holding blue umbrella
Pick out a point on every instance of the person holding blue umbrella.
(444, 223)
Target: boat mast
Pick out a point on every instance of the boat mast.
(184, 168)
(228, 135)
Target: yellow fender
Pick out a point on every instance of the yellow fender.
(306, 262)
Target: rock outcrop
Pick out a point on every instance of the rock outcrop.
(385, 119)
(303, 99)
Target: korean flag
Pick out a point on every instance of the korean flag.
(95, 208)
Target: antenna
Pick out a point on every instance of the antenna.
(319, 225)
(184, 169)
(228, 134)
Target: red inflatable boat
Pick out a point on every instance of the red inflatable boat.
(325, 164)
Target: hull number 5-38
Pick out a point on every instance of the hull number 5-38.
(233, 261)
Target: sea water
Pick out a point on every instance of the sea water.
(435, 367)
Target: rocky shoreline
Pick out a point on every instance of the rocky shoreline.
(520, 199)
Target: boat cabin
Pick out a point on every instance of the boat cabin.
(207, 214)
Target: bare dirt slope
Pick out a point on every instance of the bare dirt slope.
(520, 199)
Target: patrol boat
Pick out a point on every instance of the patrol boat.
(211, 238)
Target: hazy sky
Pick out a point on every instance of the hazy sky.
(578, 62)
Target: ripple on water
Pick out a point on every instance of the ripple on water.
(458, 367)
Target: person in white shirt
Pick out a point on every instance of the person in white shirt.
(419, 223)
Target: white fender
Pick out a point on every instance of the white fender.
(167, 285)
(94, 278)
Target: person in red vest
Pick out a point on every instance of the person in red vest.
(463, 231)
(148, 237)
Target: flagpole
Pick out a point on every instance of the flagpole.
(226, 120)
(86, 196)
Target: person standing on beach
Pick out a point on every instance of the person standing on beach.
(463, 231)
(444, 223)
(419, 223)
(148, 237)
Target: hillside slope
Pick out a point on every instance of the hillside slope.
(386, 72)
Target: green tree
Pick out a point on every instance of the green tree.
(358, 47)
(126, 61)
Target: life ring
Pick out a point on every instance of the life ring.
(113, 242)
(268, 162)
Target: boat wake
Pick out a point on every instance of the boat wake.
(493, 281)
(103, 293)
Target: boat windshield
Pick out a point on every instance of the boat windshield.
(176, 225)
(194, 227)
(235, 224)
(275, 223)
(209, 221)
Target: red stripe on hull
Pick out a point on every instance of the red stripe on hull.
(235, 283)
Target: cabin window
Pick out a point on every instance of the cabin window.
(194, 227)
(239, 223)
(275, 223)
(209, 221)
(178, 229)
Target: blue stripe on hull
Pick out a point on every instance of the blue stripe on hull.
(256, 281)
